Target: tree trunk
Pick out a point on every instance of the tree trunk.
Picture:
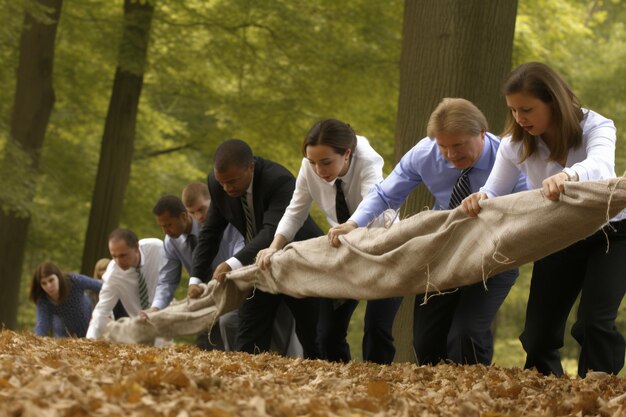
(450, 48)
(116, 153)
(33, 102)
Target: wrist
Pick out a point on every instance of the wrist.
(570, 174)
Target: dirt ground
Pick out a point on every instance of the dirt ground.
(73, 377)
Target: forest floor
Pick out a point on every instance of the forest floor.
(75, 377)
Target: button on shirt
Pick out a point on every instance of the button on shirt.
(425, 163)
(366, 169)
(124, 286)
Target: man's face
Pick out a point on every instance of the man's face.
(461, 149)
(199, 209)
(172, 226)
(235, 179)
(124, 256)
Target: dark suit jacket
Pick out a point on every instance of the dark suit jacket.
(272, 189)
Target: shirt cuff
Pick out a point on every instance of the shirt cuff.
(234, 263)
(195, 281)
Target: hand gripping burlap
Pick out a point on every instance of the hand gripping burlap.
(181, 318)
(426, 253)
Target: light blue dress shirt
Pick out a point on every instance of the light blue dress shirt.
(178, 254)
(425, 163)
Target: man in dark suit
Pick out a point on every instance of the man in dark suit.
(252, 193)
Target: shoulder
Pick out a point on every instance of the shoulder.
(365, 151)
(592, 120)
(424, 149)
(151, 245)
(266, 166)
(271, 174)
(507, 146)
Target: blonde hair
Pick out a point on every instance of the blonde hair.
(542, 82)
(456, 115)
(193, 191)
(101, 265)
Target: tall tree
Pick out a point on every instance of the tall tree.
(33, 103)
(117, 148)
(450, 48)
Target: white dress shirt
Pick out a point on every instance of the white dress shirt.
(124, 286)
(366, 170)
(594, 159)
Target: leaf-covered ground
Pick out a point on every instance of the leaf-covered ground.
(74, 377)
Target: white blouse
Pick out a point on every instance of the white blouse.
(594, 159)
(366, 169)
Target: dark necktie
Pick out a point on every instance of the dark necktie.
(461, 189)
(192, 241)
(143, 291)
(248, 214)
(343, 214)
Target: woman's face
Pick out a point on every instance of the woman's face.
(532, 114)
(50, 285)
(326, 162)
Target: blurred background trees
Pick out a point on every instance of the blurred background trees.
(263, 72)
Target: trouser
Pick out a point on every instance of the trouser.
(584, 268)
(210, 339)
(456, 325)
(284, 340)
(377, 345)
(256, 317)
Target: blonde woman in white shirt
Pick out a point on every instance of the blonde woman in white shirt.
(338, 167)
(552, 139)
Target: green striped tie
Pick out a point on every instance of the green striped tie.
(249, 223)
(143, 291)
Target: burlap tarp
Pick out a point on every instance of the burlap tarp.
(426, 253)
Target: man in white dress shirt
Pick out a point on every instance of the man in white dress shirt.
(133, 261)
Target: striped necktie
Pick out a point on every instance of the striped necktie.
(341, 206)
(461, 189)
(143, 290)
(249, 222)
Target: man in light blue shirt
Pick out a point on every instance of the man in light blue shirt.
(458, 154)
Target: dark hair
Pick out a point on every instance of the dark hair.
(331, 132)
(232, 152)
(126, 235)
(171, 204)
(542, 82)
(193, 191)
(45, 269)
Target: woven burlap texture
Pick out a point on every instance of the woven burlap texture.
(426, 253)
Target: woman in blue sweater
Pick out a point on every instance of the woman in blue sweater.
(63, 308)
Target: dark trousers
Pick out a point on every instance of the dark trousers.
(378, 344)
(456, 326)
(256, 318)
(212, 340)
(587, 269)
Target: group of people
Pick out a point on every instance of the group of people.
(252, 207)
